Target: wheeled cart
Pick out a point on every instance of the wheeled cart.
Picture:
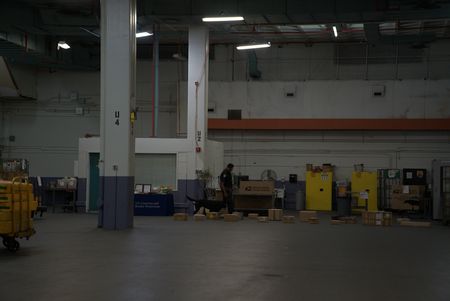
(17, 204)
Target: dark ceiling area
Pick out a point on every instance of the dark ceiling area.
(31, 29)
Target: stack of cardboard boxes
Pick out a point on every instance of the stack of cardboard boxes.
(275, 214)
(403, 193)
(377, 218)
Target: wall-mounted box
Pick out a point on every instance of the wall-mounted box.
(378, 91)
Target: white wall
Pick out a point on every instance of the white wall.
(289, 151)
(333, 99)
(181, 148)
(156, 169)
(47, 131)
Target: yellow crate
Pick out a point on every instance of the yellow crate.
(16, 204)
(8, 187)
(24, 196)
(15, 216)
(5, 197)
(5, 188)
(33, 205)
(5, 216)
(5, 227)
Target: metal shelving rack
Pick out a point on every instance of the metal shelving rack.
(441, 190)
(387, 178)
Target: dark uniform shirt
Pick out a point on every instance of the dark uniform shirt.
(226, 179)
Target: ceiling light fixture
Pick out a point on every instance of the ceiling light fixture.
(222, 19)
(253, 46)
(143, 34)
(335, 31)
(63, 45)
(179, 56)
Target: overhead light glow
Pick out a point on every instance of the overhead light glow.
(143, 34)
(63, 45)
(222, 19)
(253, 46)
(335, 31)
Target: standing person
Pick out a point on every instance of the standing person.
(226, 185)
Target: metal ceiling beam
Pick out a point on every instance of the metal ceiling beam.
(300, 12)
(374, 37)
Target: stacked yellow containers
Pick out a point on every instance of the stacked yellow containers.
(364, 186)
(319, 190)
(16, 205)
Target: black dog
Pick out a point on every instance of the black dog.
(213, 206)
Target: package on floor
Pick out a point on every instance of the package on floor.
(377, 218)
(231, 217)
(305, 215)
(275, 214)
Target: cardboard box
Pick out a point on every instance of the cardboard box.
(415, 224)
(413, 190)
(337, 222)
(349, 219)
(416, 190)
(377, 218)
(327, 168)
(398, 202)
(275, 214)
(305, 215)
(231, 217)
(253, 215)
(240, 215)
(403, 219)
(263, 219)
(387, 219)
(288, 219)
(212, 215)
(180, 217)
(313, 220)
(257, 186)
(199, 217)
(397, 189)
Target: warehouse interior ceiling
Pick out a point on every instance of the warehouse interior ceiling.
(31, 29)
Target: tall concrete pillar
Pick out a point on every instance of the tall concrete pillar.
(118, 60)
(197, 119)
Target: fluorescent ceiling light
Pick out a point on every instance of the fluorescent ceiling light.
(63, 45)
(335, 31)
(253, 46)
(222, 19)
(143, 34)
(179, 57)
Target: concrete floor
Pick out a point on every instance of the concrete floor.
(70, 259)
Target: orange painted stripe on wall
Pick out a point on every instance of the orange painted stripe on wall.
(331, 124)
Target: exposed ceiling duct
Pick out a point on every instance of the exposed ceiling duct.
(9, 89)
(374, 37)
(407, 22)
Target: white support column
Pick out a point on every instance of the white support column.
(118, 60)
(197, 122)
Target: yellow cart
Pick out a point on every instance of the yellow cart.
(16, 206)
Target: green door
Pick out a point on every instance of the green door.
(94, 180)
